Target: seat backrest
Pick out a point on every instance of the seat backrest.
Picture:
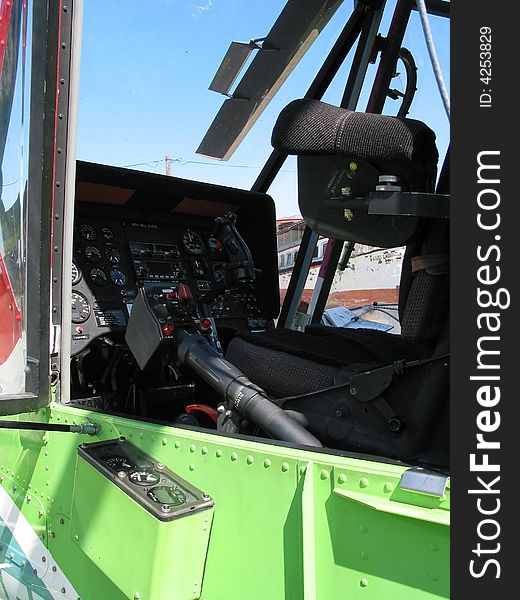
(328, 140)
(342, 155)
(424, 292)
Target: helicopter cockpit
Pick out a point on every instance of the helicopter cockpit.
(175, 288)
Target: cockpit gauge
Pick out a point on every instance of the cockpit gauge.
(215, 245)
(76, 274)
(219, 271)
(113, 255)
(168, 495)
(118, 277)
(199, 268)
(87, 232)
(80, 308)
(119, 463)
(98, 276)
(144, 477)
(192, 242)
(108, 234)
(92, 254)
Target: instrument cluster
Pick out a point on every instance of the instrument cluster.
(112, 258)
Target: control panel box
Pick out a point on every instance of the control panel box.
(118, 489)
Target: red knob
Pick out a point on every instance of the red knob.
(168, 329)
(205, 324)
(171, 295)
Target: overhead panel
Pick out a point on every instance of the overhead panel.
(289, 39)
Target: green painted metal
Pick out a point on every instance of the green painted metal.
(288, 524)
(165, 556)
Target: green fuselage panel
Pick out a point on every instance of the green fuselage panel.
(286, 524)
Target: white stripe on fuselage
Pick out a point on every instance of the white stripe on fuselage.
(34, 550)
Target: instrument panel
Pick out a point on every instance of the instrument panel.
(113, 256)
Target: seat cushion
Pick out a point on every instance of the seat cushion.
(286, 362)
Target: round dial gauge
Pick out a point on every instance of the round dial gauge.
(76, 275)
(219, 271)
(118, 277)
(98, 276)
(108, 234)
(144, 477)
(113, 255)
(92, 254)
(87, 232)
(80, 308)
(192, 242)
(214, 244)
(199, 268)
(119, 463)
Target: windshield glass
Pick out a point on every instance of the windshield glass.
(144, 97)
(145, 104)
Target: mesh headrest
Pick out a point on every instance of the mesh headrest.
(392, 144)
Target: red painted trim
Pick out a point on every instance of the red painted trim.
(5, 20)
(10, 316)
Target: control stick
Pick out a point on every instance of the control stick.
(240, 269)
(194, 351)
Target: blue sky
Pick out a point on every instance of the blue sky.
(145, 73)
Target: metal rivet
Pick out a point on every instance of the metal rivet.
(218, 453)
(342, 478)
(164, 441)
(324, 474)
(177, 444)
(433, 547)
(285, 467)
(249, 459)
(192, 448)
(363, 528)
(234, 456)
(388, 487)
(204, 450)
(364, 555)
(192, 467)
(433, 576)
(363, 482)
(267, 463)
(363, 582)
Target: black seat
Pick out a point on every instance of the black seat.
(312, 371)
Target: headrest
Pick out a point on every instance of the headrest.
(342, 154)
(309, 127)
